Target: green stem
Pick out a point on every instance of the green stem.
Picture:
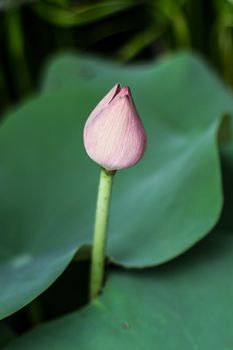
(35, 312)
(16, 48)
(100, 232)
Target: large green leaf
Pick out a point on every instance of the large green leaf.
(184, 305)
(161, 207)
(178, 182)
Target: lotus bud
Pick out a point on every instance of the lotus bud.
(114, 136)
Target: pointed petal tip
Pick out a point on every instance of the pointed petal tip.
(125, 91)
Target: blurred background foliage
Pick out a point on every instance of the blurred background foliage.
(125, 30)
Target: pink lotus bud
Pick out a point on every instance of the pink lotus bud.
(114, 136)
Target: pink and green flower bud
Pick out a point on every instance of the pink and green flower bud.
(114, 136)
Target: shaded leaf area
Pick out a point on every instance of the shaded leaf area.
(182, 305)
(48, 185)
(68, 293)
(6, 335)
(226, 222)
